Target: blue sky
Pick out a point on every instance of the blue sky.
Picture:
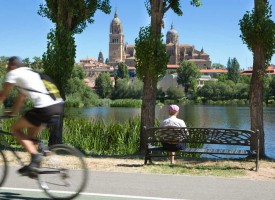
(213, 26)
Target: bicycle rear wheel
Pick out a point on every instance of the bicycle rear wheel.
(3, 168)
(63, 173)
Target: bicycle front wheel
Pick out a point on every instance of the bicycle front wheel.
(63, 173)
(3, 168)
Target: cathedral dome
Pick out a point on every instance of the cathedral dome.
(116, 26)
(172, 36)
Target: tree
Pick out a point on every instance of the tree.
(174, 93)
(78, 72)
(107, 61)
(233, 68)
(70, 17)
(258, 33)
(3, 63)
(188, 73)
(103, 85)
(151, 62)
(218, 66)
(151, 67)
(37, 64)
(26, 62)
(122, 71)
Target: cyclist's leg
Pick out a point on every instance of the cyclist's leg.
(21, 137)
(27, 144)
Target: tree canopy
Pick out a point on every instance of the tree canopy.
(233, 68)
(188, 73)
(74, 15)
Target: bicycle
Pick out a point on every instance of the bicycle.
(59, 165)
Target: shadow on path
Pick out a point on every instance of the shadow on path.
(17, 196)
(130, 165)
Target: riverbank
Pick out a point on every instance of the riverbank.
(188, 166)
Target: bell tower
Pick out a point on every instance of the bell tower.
(116, 43)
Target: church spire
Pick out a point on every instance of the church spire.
(116, 13)
(172, 26)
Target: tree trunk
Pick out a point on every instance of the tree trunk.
(256, 96)
(150, 85)
(56, 132)
(156, 16)
(148, 107)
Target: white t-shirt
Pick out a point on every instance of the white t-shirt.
(24, 77)
(173, 121)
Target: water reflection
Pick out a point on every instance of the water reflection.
(197, 116)
(109, 114)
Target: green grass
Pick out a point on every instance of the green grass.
(223, 171)
(202, 167)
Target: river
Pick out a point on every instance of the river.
(211, 116)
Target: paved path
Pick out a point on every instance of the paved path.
(119, 186)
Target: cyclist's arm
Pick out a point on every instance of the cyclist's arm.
(5, 91)
(20, 99)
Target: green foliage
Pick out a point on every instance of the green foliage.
(258, 29)
(221, 77)
(37, 64)
(218, 66)
(233, 68)
(78, 94)
(70, 17)
(58, 61)
(99, 138)
(173, 4)
(78, 72)
(122, 71)
(10, 99)
(188, 73)
(269, 89)
(245, 79)
(130, 103)
(217, 90)
(151, 57)
(107, 61)
(26, 62)
(127, 89)
(94, 137)
(3, 63)
(103, 85)
(174, 93)
(73, 14)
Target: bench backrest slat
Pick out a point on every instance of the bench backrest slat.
(200, 135)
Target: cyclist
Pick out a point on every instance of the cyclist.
(46, 104)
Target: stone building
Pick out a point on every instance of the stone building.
(123, 52)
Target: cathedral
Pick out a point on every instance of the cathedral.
(119, 51)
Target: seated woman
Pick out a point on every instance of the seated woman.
(173, 121)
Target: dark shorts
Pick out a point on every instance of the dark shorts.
(173, 147)
(38, 116)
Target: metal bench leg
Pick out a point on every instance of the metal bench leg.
(257, 163)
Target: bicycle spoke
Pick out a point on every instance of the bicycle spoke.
(63, 173)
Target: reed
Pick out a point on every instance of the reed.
(133, 103)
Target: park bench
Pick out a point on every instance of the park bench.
(212, 141)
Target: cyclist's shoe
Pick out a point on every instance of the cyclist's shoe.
(31, 169)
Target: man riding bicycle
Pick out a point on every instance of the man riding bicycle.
(46, 104)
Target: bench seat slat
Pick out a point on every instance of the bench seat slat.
(207, 151)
